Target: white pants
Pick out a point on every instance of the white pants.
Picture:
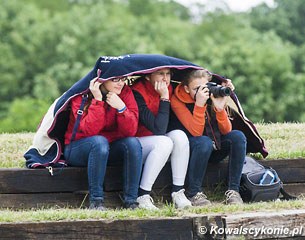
(157, 150)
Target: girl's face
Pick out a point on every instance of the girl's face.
(193, 85)
(162, 75)
(115, 85)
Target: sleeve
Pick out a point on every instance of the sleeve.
(224, 123)
(92, 121)
(156, 124)
(195, 122)
(128, 120)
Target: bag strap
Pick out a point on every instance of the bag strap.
(286, 195)
(80, 112)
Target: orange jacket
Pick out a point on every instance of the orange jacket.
(194, 121)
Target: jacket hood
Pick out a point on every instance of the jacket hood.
(182, 95)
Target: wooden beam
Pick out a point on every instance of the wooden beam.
(71, 179)
(173, 228)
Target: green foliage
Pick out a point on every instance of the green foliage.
(46, 46)
(24, 115)
(287, 19)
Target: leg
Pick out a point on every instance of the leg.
(91, 152)
(179, 157)
(237, 155)
(129, 151)
(156, 151)
(233, 144)
(201, 149)
(179, 162)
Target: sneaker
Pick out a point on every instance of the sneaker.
(131, 205)
(146, 202)
(97, 205)
(180, 200)
(233, 197)
(200, 199)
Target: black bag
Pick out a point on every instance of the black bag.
(260, 183)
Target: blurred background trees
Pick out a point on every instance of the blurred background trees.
(46, 46)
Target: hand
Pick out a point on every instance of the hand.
(220, 102)
(162, 89)
(202, 95)
(114, 100)
(228, 83)
(94, 87)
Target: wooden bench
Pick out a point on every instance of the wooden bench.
(31, 188)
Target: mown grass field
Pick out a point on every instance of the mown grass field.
(283, 141)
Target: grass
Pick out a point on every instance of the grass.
(167, 211)
(283, 140)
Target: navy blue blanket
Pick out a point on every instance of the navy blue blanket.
(48, 144)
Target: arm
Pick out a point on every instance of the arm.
(156, 124)
(195, 122)
(128, 120)
(224, 123)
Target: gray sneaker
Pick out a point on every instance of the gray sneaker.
(233, 197)
(200, 199)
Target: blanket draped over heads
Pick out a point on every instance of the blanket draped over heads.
(48, 144)
(47, 147)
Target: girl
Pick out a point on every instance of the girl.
(105, 135)
(152, 93)
(204, 118)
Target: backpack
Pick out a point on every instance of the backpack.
(260, 183)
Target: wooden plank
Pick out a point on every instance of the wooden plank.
(54, 200)
(296, 189)
(289, 170)
(268, 225)
(72, 179)
(168, 229)
(38, 200)
(20, 180)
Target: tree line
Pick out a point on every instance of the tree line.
(46, 46)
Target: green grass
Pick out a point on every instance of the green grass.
(283, 140)
(167, 211)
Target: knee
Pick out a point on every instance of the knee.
(178, 138)
(238, 137)
(131, 143)
(100, 143)
(202, 144)
(162, 145)
(165, 144)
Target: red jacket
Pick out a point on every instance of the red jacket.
(101, 119)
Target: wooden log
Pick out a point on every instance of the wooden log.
(55, 200)
(71, 179)
(266, 225)
(256, 225)
(19, 180)
(296, 189)
(173, 228)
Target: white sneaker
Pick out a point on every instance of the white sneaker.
(146, 202)
(180, 200)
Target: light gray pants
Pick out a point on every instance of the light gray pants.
(157, 150)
